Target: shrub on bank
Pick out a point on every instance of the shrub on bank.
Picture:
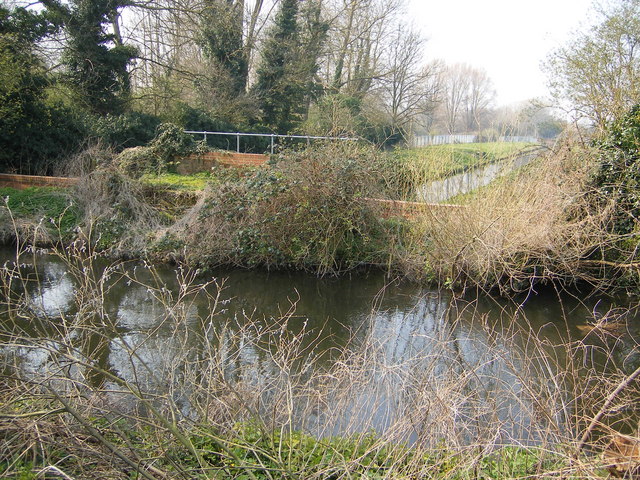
(306, 211)
(617, 177)
(127, 130)
(519, 231)
(161, 154)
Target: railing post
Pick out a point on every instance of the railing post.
(272, 137)
(237, 142)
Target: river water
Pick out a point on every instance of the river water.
(470, 180)
(464, 364)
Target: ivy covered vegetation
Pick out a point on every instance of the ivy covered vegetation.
(617, 177)
(313, 209)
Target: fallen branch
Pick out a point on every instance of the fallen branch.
(608, 263)
(41, 413)
(605, 406)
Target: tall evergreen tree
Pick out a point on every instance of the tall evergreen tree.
(96, 60)
(314, 36)
(285, 76)
(279, 96)
(221, 40)
(33, 133)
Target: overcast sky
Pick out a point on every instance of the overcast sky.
(508, 38)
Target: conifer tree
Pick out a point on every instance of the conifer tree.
(221, 40)
(278, 94)
(97, 61)
(285, 76)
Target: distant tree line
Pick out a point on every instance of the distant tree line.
(79, 71)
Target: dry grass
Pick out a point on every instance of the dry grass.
(116, 216)
(530, 227)
(196, 402)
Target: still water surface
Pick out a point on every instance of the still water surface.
(421, 342)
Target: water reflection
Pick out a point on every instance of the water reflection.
(441, 190)
(421, 366)
(54, 295)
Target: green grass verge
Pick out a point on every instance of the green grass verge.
(174, 181)
(408, 169)
(298, 455)
(438, 161)
(50, 204)
(194, 182)
(250, 452)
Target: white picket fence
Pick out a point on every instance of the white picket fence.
(424, 140)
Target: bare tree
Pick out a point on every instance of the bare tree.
(467, 95)
(598, 72)
(359, 32)
(164, 33)
(455, 85)
(408, 90)
(479, 98)
(433, 86)
(198, 52)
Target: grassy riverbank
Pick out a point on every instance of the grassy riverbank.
(248, 452)
(203, 412)
(417, 166)
(309, 210)
(438, 161)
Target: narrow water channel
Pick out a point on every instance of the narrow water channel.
(443, 364)
(465, 182)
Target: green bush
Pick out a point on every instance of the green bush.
(617, 178)
(171, 142)
(131, 129)
(34, 135)
(37, 130)
(307, 211)
(135, 161)
(161, 154)
(197, 119)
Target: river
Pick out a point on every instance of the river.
(476, 366)
(470, 180)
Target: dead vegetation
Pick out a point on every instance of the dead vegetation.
(309, 210)
(534, 226)
(196, 397)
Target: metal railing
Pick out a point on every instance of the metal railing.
(272, 136)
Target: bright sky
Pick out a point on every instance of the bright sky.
(508, 38)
